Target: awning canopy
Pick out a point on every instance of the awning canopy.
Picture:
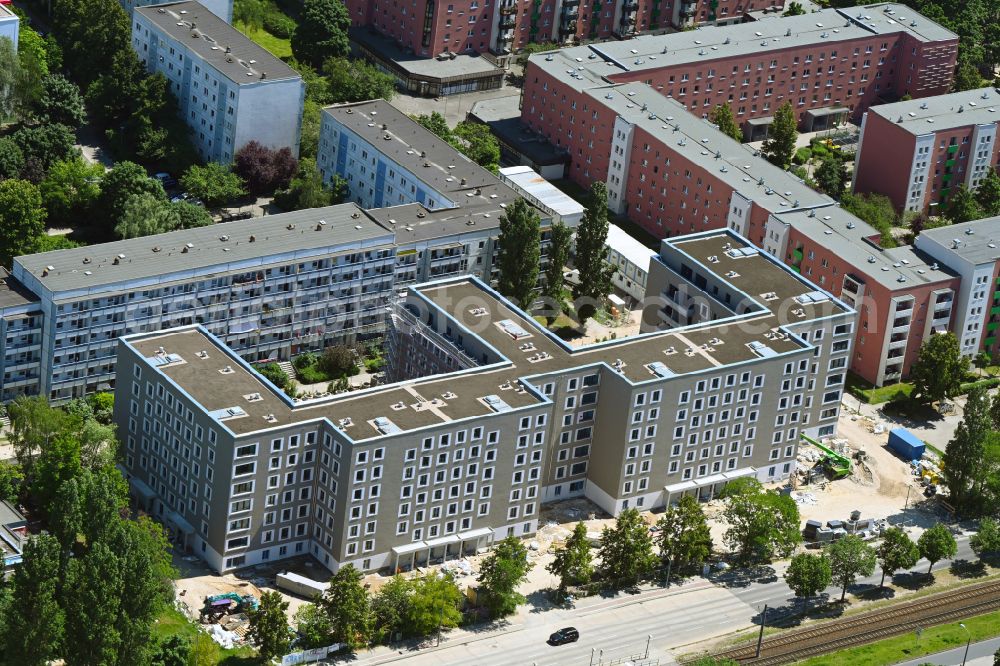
(709, 480)
(142, 488)
(442, 541)
(179, 522)
(763, 120)
(409, 548)
(828, 111)
(475, 534)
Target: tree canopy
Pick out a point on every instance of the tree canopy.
(762, 523)
(626, 550)
(591, 261)
(500, 574)
(779, 147)
(348, 608)
(897, 551)
(22, 219)
(215, 183)
(321, 32)
(850, 557)
(937, 543)
(808, 575)
(722, 116)
(520, 249)
(572, 563)
(684, 537)
(939, 369)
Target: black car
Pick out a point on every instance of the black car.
(563, 636)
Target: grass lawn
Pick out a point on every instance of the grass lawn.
(908, 646)
(876, 395)
(279, 48)
(173, 623)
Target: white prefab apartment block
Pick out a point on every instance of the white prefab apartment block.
(230, 90)
(221, 8)
(10, 25)
(631, 261)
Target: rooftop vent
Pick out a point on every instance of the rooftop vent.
(187, 248)
(253, 239)
(86, 260)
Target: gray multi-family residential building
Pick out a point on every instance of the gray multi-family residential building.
(488, 416)
(270, 287)
(230, 91)
(221, 8)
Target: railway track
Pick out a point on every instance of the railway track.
(871, 626)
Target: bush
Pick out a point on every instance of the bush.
(273, 374)
(303, 361)
(374, 364)
(311, 374)
(278, 24)
(802, 155)
(982, 383)
(338, 361)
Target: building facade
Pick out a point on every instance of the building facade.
(221, 8)
(10, 25)
(942, 141)
(20, 339)
(970, 250)
(230, 90)
(490, 417)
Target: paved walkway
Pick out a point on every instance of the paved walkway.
(980, 654)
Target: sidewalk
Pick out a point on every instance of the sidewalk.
(525, 618)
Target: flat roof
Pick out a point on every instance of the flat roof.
(220, 380)
(699, 141)
(462, 66)
(12, 293)
(847, 237)
(503, 115)
(941, 112)
(634, 251)
(974, 241)
(593, 62)
(418, 150)
(162, 256)
(550, 196)
(216, 42)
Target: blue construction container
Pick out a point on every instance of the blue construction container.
(907, 445)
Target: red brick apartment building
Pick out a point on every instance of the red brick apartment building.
(632, 114)
(429, 28)
(916, 152)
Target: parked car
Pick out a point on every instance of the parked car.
(166, 180)
(565, 635)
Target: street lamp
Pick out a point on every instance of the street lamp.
(967, 643)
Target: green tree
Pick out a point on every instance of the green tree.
(35, 622)
(92, 606)
(322, 32)
(11, 481)
(626, 550)
(850, 557)
(779, 146)
(477, 142)
(91, 33)
(191, 216)
(964, 472)
(44, 145)
(249, 13)
(172, 651)
(391, 608)
(60, 102)
(22, 219)
(760, 523)
(33, 424)
(145, 215)
(347, 604)
(214, 183)
(312, 114)
(12, 94)
(350, 80)
(312, 626)
(962, 205)
(897, 551)
(875, 209)
(269, 626)
(434, 604)
(967, 77)
(831, 176)
(986, 541)
(307, 189)
(66, 520)
(560, 238)
(988, 193)
(722, 116)
(520, 249)
(70, 190)
(124, 180)
(939, 369)
(572, 563)
(794, 9)
(684, 537)
(11, 157)
(982, 360)
(595, 273)
(937, 543)
(808, 575)
(500, 574)
(435, 122)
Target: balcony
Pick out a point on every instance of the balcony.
(897, 341)
(571, 3)
(898, 327)
(507, 10)
(507, 22)
(567, 28)
(630, 5)
(570, 12)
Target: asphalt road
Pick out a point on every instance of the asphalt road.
(980, 654)
(765, 586)
(608, 631)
